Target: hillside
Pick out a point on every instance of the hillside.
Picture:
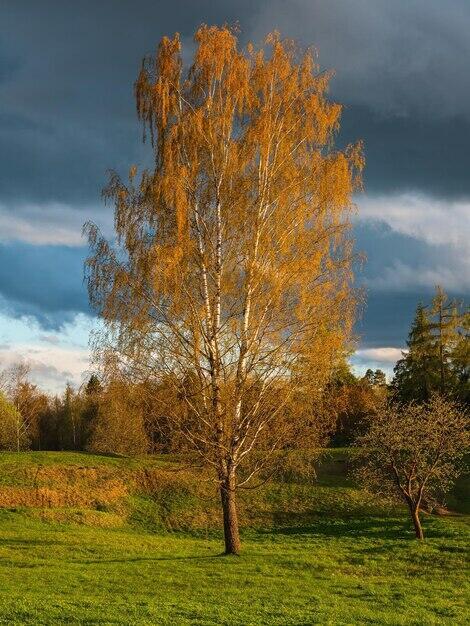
(160, 493)
(90, 539)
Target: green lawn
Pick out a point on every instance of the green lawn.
(325, 565)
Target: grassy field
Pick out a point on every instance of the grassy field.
(149, 552)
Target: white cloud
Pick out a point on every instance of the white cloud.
(436, 222)
(50, 223)
(51, 366)
(402, 277)
(383, 358)
(380, 355)
(54, 339)
(444, 226)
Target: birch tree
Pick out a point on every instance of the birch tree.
(231, 274)
(28, 401)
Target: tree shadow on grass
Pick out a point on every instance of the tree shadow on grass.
(142, 559)
(31, 542)
(357, 527)
(28, 543)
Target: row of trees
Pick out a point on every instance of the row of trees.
(32, 419)
(111, 414)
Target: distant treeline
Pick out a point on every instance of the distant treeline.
(111, 413)
(125, 417)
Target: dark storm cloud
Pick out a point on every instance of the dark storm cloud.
(411, 153)
(402, 73)
(399, 57)
(389, 308)
(43, 282)
(67, 112)
(66, 74)
(386, 318)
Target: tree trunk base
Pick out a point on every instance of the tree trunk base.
(417, 525)
(229, 508)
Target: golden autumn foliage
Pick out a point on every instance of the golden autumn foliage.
(232, 274)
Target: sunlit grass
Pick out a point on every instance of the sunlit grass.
(337, 559)
(331, 572)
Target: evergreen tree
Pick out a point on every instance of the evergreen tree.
(375, 379)
(93, 386)
(69, 422)
(379, 379)
(438, 357)
(417, 373)
(369, 377)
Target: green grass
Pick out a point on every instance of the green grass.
(330, 557)
(332, 572)
(79, 459)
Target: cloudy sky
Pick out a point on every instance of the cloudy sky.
(67, 115)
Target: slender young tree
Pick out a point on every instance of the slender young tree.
(28, 401)
(232, 274)
(11, 438)
(90, 402)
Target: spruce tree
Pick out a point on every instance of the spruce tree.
(417, 373)
(438, 357)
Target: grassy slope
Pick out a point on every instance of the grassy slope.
(337, 559)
